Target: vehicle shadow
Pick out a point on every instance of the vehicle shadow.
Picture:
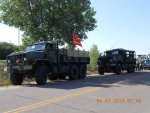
(137, 78)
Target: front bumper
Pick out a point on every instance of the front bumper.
(112, 64)
(19, 67)
(146, 66)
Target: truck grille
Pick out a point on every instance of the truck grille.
(16, 59)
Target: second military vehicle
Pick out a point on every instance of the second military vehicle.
(117, 60)
(45, 60)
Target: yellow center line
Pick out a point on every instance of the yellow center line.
(51, 100)
(57, 100)
(54, 100)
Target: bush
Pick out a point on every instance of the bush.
(6, 49)
(4, 76)
(94, 55)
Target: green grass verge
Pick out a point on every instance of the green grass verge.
(4, 76)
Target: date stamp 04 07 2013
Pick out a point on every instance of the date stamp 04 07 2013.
(118, 100)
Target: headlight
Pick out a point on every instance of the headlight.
(24, 59)
(8, 61)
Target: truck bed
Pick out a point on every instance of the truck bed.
(72, 55)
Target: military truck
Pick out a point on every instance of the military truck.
(44, 60)
(117, 60)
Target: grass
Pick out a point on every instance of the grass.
(4, 76)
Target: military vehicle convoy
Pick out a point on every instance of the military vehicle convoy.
(46, 60)
(117, 60)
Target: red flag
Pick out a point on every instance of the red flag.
(76, 40)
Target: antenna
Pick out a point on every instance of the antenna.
(115, 43)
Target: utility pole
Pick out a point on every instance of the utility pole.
(18, 37)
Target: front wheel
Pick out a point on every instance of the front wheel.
(100, 70)
(118, 69)
(41, 75)
(129, 69)
(16, 78)
(133, 69)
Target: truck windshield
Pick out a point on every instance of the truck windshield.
(114, 52)
(147, 61)
(35, 47)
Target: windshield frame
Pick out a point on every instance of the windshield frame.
(35, 47)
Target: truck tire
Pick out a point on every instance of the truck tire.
(16, 78)
(101, 70)
(129, 68)
(73, 72)
(118, 69)
(82, 71)
(133, 69)
(41, 75)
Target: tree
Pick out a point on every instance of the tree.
(94, 55)
(25, 41)
(6, 49)
(49, 19)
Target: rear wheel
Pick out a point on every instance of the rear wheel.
(82, 71)
(16, 78)
(73, 72)
(41, 75)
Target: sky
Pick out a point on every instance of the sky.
(120, 24)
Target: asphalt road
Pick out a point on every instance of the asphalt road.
(125, 93)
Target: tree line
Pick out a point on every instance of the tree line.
(6, 49)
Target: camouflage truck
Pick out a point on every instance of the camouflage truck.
(44, 60)
(117, 60)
